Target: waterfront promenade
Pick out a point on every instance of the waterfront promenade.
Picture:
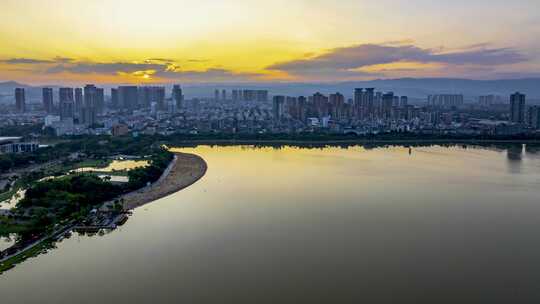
(184, 170)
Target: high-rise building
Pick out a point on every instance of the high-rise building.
(489, 100)
(100, 100)
(178, 97)
(517, 108)
(66, 103)
(224, 95)
(395, 104)
(533, 117)
(157, 95)
(249, 95)
(216, 95)
(302, 108)
(278, 107)
(89, 111)
(262, 95)
(65, 94)
(79, 103)
(48, 100)
(337, 102)
(321, 105)
(114, 98)
(368, 101)
(446, 100)
(363, 102)
(404, 101)
(128, 98)
(148, 95)
(20, 100)
(387, 103)
(358, 92)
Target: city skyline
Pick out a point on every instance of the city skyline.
(75, 42)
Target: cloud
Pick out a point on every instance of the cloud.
(154, 68)
(198, 60)
(352, 59)
(104, 68)
(59, 59)
(25, 61)
(211, 74)
(161, 59)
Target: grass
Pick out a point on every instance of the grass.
(88, 163)
(97, 163)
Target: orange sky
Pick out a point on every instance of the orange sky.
(134, 41)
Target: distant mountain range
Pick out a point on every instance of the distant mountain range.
(415, 88)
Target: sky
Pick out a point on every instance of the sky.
(206, 41)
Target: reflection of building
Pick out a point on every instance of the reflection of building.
(15, 145)
(515, 152)
(517, 108)
(532, 149)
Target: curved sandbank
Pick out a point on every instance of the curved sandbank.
(185, 170)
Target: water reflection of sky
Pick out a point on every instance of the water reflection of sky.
(329, 225)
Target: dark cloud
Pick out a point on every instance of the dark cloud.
(59, 59)
(104, 68)
(166, 70)
(160, 60)
(212, 74)
(347, 59)
(25, 61)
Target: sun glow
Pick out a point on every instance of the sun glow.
(241, 38)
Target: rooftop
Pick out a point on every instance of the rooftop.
(8, 140)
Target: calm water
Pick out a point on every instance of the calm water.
(291, 225)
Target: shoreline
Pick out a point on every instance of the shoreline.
(347, 142)
(185, 170)
(196, 142)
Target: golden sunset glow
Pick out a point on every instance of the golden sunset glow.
(242, 40)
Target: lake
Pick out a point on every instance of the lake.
(298, 225)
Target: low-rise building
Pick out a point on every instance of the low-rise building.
(16, 145)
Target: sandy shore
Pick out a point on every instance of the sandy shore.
(184, 171)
